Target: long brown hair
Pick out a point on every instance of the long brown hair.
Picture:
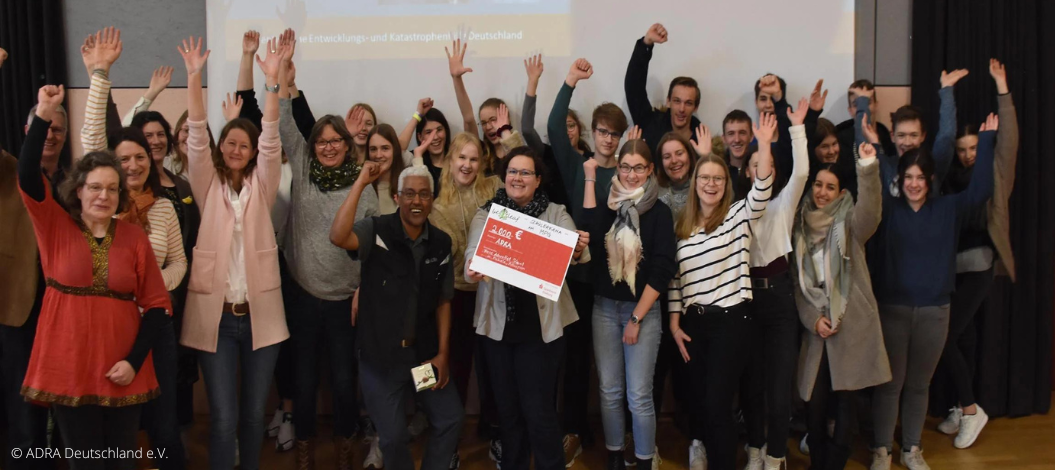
(388, 133)
(661, 173)
(448, 187)
(181, 158)
(247, 126)
(687, 224)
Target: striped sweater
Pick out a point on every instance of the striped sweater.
(713, 269)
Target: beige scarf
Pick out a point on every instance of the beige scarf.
(623, 240)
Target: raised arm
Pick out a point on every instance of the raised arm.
(944, 142)
(563, 148)
(341, 232)
(980, 189)
(250, 44)
(634, 84)
(30, 177)
(424, 105)
(98, 54)
(868, 210)
(1006, 156)
(200, 171)
(159, 81)
(456, 61)
(800, 163)
(533, 66)
(762, 190)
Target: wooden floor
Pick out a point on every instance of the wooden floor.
(1022, 443)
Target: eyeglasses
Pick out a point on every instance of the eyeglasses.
(95, 189)
(638, 169)
(572, 126)
(409, 194)
(328, 143)
(57, 131)
(491, 121)
(525, 174)
(607, 133)
(708, 179)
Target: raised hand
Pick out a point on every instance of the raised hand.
(288, 38)
(817, 98)
(419, 152)
(589, 168)
(798, 116)
(354, 120)
(160, 80)
(273, 60)
(999, 74)
(250, 42)
(105, 50)
(770, 85)
(533, 65)
(991, 123)
(87, 53)
(866, 150)
(765, 128)
(232, 107)
(656, 34)
(950, 78)
(370, 172)
(580, 70)
(193, 58)
(633, 133)
(49, 97)
(456, 61)
(502, 116)
(424, 105)
(869, 131)
(703, 141)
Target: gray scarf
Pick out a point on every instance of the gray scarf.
(623, 240)
(824, 229)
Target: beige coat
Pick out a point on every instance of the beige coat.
(1006, 157)
(857, 356)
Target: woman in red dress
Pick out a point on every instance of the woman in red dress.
(90, 360)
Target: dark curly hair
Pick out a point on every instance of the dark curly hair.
(78, 177)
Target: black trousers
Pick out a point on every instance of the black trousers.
(718, 354)
(772, 367)
(26, 423)
(99, 428)
(284, 378)
(160, 416)
(577, 364)
(669, 361)
(958, 358)
(829, 452)
(524, 378)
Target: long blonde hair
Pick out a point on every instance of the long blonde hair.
(690, 217)
(448, 187)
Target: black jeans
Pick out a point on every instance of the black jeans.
(26, 423)
(828, 453)
(159, 415)
(465, 348)
(320, 327)
(284, 378)
(99, 428)
(958, 357)
(524, 377)
(669, 361)
(718, 354)
(577, 364)
(772, 367)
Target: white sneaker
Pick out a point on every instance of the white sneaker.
(285, 438)
(418, 424)
(373, 456)
(755, 459)
(773, 463)
(804, 445)
(697, 455)
(276, 421)
(656, 459)
(880, 459)
(913, 459)
(951, 425)
(970, 427)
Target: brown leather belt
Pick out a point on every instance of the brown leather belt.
(237, 310)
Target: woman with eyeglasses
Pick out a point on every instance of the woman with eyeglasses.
(709, 297)
(323, 277)
(522, 334)
(635, 231)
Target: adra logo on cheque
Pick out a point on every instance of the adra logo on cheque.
(503, 215)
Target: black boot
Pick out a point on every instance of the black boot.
(615, 460)
(644, 464)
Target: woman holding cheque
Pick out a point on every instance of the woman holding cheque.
(522, 332)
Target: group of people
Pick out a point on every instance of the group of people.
(786, 254)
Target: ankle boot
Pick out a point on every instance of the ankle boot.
(305, 451)
(644, 464)
(344, 448)
(615, 460)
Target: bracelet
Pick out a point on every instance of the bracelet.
(416, 116)
(592, 180)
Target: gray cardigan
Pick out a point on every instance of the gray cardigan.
(490, 318)
(320, 268)
(857, 356)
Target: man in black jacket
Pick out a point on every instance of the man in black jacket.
(683, 95)
(404, 315)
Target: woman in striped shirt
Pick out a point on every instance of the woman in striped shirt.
(711, 288)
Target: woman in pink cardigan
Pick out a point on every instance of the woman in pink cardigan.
(234, 315)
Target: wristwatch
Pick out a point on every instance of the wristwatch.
(635, 319)
(271, 89)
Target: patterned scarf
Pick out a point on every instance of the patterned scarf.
(824, 229)
(535, 208)
(332, 179)
(623, 240)
(140, 205)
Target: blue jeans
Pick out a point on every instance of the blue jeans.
(220, 370)
(385, 392)
(626, 373)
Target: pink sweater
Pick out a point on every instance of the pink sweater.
(208, 274)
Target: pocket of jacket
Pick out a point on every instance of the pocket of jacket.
(267, 272)
(202, 271)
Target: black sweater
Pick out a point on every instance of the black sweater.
(653, 122)
(657, 266)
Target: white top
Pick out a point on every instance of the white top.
(237, 288)
(776, 225)
(280, 211)
(819, 258)
(713, 268)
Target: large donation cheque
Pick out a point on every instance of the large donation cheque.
(523, 251)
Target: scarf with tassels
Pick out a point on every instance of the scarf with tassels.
(332, 179)
(623, 240)
(824, 229)
(535, 208)
(139, 206)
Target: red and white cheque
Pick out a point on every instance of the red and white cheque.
(523, 251)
